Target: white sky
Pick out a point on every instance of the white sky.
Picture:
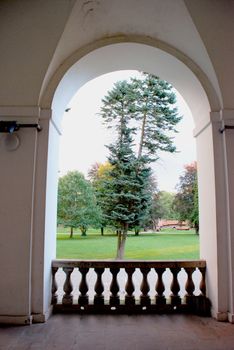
(84, 137)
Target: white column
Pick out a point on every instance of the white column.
(213, 209)
(45, 216)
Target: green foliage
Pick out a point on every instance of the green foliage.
(156, 116)
(161, 208)
(165, 205)
(128, 185)
(147, 105)
(99, 175)
(186, 199)
(117, 106)
(76, 202)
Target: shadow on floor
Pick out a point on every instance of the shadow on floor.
(120, 332)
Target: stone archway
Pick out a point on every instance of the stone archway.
(168, 63)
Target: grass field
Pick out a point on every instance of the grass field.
(169, 244)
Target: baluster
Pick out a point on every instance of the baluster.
(54, 287)
(189, 286)
(114, 287)
(175, 287)
(203, 281)
(144, 298)
(129, 298)
(203, 304)
(83, 288)
(67, 287)
(160, 287)
(99, 288)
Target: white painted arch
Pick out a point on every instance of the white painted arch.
(198, 93)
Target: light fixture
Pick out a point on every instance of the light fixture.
(12, 126)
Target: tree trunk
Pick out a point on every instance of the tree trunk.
(137, 231)
(102, 231)
(142, 137)
(196, 229)
(71, 232)
(83, 231)
(122, 235)
(118, 242)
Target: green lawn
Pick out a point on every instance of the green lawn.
(167, 245)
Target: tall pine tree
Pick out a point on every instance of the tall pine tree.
(127, 188)
(142, 109)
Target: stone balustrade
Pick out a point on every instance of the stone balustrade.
(163, 292)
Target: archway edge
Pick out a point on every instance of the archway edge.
(49, 89)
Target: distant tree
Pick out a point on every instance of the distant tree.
(165, 204)
(99, 171)
(194, 218)
(93, 171)
(99, 175)
(186, 199)
(162, 207)
(77, 207)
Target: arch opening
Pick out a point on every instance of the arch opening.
(139, 57)
(130, 56)
(84, 131)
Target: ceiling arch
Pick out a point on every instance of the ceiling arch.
(161, 60)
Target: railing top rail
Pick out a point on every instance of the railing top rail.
(129, 263)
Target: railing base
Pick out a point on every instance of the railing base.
(201, 307)
(161, 293)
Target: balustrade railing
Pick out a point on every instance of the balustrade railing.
(129, 286)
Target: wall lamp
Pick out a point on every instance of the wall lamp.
(226, 127)
(11, 126)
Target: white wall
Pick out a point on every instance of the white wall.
(16, 211)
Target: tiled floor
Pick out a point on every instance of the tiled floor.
(143, 332)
